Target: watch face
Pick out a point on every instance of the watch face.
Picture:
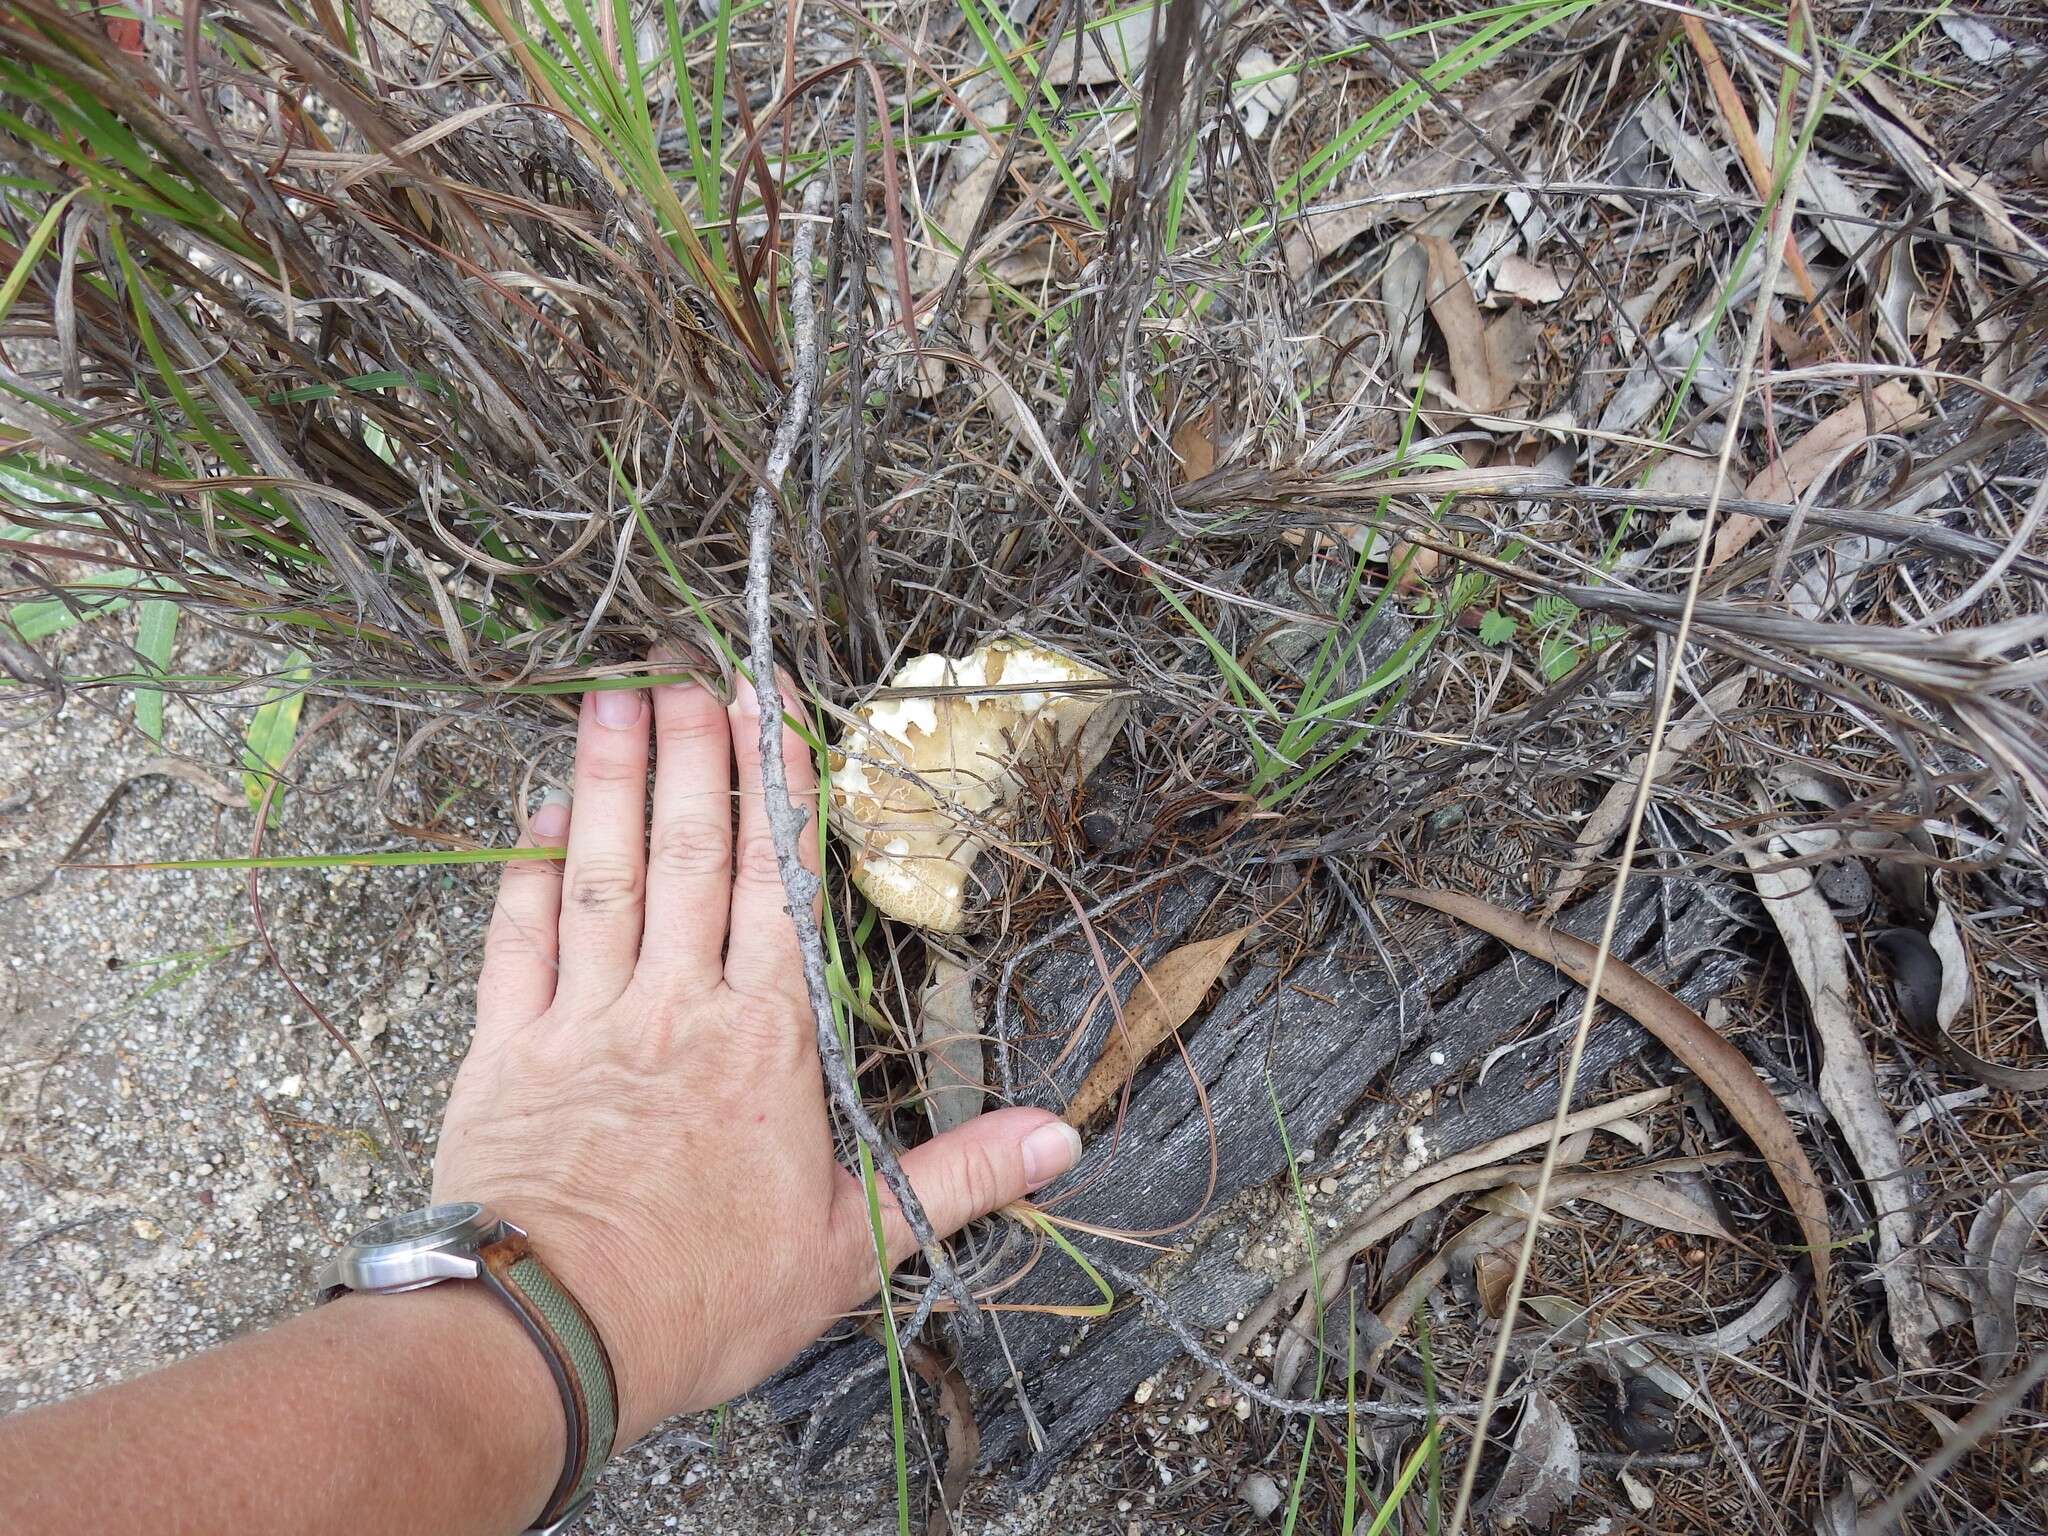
(417, 1226)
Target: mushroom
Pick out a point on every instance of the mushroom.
(921, 785)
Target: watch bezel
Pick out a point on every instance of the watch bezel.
(445, 1250)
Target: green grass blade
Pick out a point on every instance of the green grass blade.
(1308, 1235)
(156, 630)
(272, 729)
(1423, 1453)
(32, 250)
(1434, 1515)
(38, 618)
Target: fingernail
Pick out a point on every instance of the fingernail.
(550, 819)
(618, 707)
(671, 659)
(744, 700)
(1049, 1152)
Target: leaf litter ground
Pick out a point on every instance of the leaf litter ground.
(1376, 398)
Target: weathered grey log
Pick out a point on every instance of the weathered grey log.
(1337, 1043)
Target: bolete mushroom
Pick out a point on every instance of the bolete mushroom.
(923, 783)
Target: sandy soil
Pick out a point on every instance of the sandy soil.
(181, 1141)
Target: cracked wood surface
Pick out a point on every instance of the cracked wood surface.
(1349, 1054)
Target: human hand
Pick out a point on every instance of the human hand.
(643, 1093)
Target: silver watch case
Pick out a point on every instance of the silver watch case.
(414, 1249)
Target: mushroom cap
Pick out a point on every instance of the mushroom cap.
(922, 784)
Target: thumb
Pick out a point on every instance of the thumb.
(970, 1171)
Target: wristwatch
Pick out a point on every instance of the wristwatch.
(468, 1241)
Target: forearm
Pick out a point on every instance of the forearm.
(424, 1412)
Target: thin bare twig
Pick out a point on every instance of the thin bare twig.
(788, 821)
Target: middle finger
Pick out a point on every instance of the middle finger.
(603, 883)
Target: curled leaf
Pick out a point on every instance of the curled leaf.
(963, 1431)
(1999, 1237)
(1542, 1474)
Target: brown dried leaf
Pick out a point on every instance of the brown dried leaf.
(1195, 445)
(1725, 1070)
(1644, 1195)
(1166, 998)
(1456, 312)
(963, 1431)
(1793, 473)
(1493, 1271)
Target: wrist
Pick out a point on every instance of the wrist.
(457, 1364)
(652, 1375)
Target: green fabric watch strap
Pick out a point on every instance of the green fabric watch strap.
(576, 1358)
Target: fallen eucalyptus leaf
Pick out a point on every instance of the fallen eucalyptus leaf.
(1520, 278)
(1542, 1474)
(1113, 50)
(1403, 283)
(949, 1036)
(1456, 313)
(1946, 1103)
(1644, 1195)
(1265, 99)
(1979, 41)
(1698, 167)
(963, 1431)
(1639, 1492)
(1166, 997)
(1999, 1236)
(1891, 405)
(1848, 1087)
(1947, 941)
